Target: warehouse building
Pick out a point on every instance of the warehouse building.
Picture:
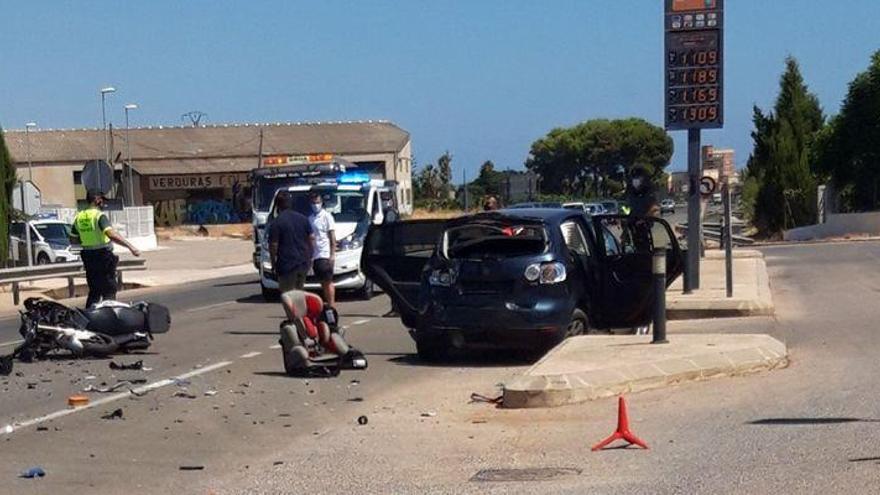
(204, 168)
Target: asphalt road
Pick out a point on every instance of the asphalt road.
(811, 428)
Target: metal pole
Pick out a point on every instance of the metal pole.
(27, 226)
(728, 238)
(659, 271)
(130, 194)
(464, 181)
(695, 226)
(104, 129)
(27, 137)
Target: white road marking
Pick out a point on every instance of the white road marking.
(113, 398)
(11, 343)
(250, 355)
(359, 322)
(209, 306)
(275, 346)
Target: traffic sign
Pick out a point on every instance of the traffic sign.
(707, 185)
(694, 64)
(97, 177)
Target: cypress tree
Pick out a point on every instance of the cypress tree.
(781, 156)
(7, 183)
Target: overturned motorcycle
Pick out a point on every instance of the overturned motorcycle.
(108, 327)
(311, 343)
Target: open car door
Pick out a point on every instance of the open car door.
(626, 294)
(394, 257)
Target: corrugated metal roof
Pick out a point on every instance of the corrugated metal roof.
(209, 142)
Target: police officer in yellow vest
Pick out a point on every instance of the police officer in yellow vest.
(92, 230)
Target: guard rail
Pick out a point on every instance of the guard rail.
(70, 271)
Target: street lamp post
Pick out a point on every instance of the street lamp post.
(27, 224)
(104, 91)
(130, 106)
(27, 137)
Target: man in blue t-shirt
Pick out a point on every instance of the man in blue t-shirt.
(291, 244)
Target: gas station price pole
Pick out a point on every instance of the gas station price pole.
(694, 95)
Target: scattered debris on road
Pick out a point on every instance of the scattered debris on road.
(429, 414)
(475, 397)
(34, 472)
(210, 393)
(362, 420)
(117, 386)
(117, 414)
(277, 463)
(184, 395)
(192, 468)
(135, 366)
(78, 400)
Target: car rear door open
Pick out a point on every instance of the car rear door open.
(394, 257)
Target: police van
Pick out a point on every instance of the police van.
(354, 198)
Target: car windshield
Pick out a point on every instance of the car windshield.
(55, 232)
(495, 240)
(266, 188)
(345, 206)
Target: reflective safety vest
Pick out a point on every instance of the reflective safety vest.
(90, 234)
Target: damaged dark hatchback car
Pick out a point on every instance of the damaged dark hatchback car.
(524, 278)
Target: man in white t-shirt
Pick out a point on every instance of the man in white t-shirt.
(324, 227)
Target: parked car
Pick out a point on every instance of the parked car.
(612, 207)
(50, 241)
(520, 206)
(667, 206)
(588, 208)
(517, 278)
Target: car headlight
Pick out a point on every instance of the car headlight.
(442, 278)
(351, 242)
(545, 273)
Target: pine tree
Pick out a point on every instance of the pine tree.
(781, 157)
(7, 183)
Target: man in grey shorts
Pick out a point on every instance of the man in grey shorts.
(291, 244)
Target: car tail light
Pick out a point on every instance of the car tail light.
(546, 273)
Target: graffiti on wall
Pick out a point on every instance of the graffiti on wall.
(203, 212)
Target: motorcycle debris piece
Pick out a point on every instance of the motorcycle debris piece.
(362, 420)
(192, 468)
(6, 365)
(77, 400)
(183, 395)
(135, 366)
(114, 388)
(117, 414)
(181, 382)
(34, 472)
(210, 393)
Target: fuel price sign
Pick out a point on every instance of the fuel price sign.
(694, 64)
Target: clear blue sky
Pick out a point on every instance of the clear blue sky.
(482, 79)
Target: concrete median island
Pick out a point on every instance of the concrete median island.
(751, 290)
(591, 367)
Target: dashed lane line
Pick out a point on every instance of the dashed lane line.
(359, 322)
(210, 306)
(250, 355)
(112, 398)
(11, 343)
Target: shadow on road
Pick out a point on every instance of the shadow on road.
(236, 284)
(469, 358)
(254, 332)
(254, 299)
(810, 421)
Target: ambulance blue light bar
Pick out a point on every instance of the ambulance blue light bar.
(354, 177)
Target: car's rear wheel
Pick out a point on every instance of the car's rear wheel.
(43, 259)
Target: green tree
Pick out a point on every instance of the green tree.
(848, 150)
(781, 157)
(432, 183)
(597, 155)
(7, 183)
